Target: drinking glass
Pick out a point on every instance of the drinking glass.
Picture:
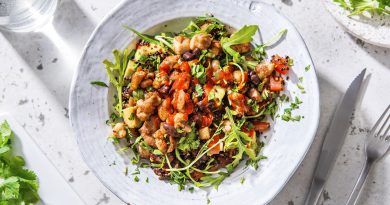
(26, 15)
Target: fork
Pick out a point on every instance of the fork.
(377, 144)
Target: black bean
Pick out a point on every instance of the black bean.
(196, 52)
(164, 89)
(170, 130)
(201, 106)
(187, 56)
(254, 78)
(211, 105)
(217, 116)
(161, 173)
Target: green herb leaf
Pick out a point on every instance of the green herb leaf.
(99, 83)
(198, 71)
(276, 38)
(190, 142)
(138, 94)
(136, 179)
(144, 37)
(244, 35)
(242, 180)
(199, 90)
(17, 184)
(307, 68)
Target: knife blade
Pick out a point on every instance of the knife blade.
(334, 139)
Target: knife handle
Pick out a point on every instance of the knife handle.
(315, 191)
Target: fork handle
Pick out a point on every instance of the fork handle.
(358, 186)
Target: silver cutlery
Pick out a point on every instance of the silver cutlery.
(377, 144)
(334, 139)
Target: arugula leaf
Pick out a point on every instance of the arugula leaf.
(237, 139)
(99, 83)
(144, 37)
(343, 4)
(359, 6)
(244, 35)
(276, 38)
(116, 71)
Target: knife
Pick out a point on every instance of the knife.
(334, 139)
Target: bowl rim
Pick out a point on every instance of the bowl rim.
(109, 15)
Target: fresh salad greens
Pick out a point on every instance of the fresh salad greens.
(18, 185)
(357, 7)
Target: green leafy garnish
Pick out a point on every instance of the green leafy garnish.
(307, 68)
(190, 142)
(287, 115)
(198, 71)
(242, 180)
(99, 83)
(144, 37)
(17, 184)
(244, 35)
(116, 71)
(199, 90)
(357, 7)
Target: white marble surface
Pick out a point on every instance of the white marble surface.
(36, 70)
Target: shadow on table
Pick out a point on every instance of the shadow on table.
(348, 164)
(329, 96)
(53, 53)
(381, 54)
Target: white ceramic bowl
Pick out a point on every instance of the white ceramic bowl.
(89, 109)
(375, 30)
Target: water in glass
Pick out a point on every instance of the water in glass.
(25, 15)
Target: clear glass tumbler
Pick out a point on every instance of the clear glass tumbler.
(26, 15)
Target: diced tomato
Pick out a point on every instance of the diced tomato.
(207, 88)
(185, 67)
(206, 120)
(189, 106)
(216, 149)
(276, 83)
(261, 126)
(280, 64)
(222, 77)
(171, 118)
(182, 82)
(196, 175)
(164, 67)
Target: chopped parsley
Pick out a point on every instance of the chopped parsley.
(136, 179)
(287, 115)
(198, 71)
(307, 68)
(242, 180)
(138, 94)
(199, 90)
(290, 62)
(126, 171)
(301, 88)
